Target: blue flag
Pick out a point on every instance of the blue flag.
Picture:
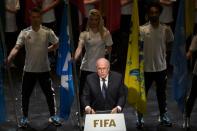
(2, 57)
(64, 68)
(2, 100)
(179, 60)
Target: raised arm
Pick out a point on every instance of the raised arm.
(50, 6)
(125, 2)
(13, 9)
(53, 47)
(165, 2)
(90, 1)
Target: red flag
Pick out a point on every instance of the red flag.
(113, 14)
(29, 5)
(111, 10)
(80, 5)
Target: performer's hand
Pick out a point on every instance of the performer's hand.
(93, 112)
(89, 110)
(7, 62)
(72, 60)
(114, 110)
(108, 50)
(189, 54)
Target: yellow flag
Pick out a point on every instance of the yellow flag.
(134, 73)
(189, 17)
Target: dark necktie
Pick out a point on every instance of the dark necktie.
(104, 87)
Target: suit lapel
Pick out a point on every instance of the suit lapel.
(109, 81)
(98, 86)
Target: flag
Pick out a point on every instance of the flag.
(111, 10)
(134, 73)
(80, 5)
(2, 99)
(189, 17)
(2, 13)
(179, 60)
(113, 14)
(77, 22)
(29, 5)
(64, 68)
(78, 13)
(2, 57)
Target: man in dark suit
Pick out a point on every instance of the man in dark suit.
(103, 90)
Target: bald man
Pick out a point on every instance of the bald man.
(104, 90)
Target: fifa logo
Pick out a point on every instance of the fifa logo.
(104, 123)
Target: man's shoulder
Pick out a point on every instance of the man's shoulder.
(195, 37)
(92, 75)
(27, 29)
(115, 73)
(164, 26)
(45, 28)
(85, 32)
(145, 25)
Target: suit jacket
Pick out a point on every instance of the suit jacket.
(92, 95)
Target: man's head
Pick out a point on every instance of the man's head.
(154, 10)
(36, 16)
(103, 67)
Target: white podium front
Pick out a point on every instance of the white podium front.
(105, 122)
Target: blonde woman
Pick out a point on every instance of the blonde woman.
(97, 42)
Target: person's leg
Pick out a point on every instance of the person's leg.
(190, 103)
(148, 79)
(192, 97)
(28, 83)
(45, 83)
(161, 80)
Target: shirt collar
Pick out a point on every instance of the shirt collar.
(106, 78)
(35, 31)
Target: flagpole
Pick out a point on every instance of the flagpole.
(75, 78)
(10, 80)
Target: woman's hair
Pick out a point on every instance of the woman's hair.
(156, 5)
(101, 28)
(36, 9)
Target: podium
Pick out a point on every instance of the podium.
(105, 122)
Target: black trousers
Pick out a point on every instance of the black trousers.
(28, 83)
(160, 78)
(83, 76)
(192, 97)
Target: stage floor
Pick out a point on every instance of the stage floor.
(38, 111)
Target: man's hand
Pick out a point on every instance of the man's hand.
(12, 54)
(6, 62)
(189, 54)
(89, 110)
(108, 50)
(114, 110)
